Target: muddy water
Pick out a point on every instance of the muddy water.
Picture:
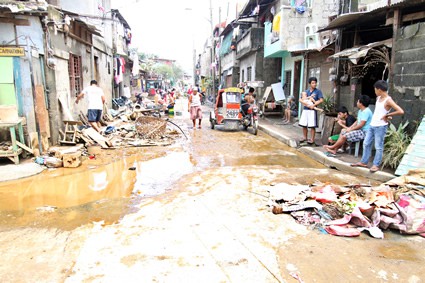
(111, 186)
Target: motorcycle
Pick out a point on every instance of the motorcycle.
(250, 118)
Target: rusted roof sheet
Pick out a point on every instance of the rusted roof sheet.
(355, 53)
(21, 7)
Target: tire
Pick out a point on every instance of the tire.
(212, 122)
(254, 127)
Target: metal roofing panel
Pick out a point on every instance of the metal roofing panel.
(358, 52)
(413, 157)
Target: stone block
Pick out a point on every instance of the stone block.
(72, 160)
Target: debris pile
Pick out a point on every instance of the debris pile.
(126, 127)
(348, 210)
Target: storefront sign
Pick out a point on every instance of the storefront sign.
(12, 51)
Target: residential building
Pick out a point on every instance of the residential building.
(290, 33)
(66, 44)
(381, 40)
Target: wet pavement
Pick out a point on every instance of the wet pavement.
(194, 211)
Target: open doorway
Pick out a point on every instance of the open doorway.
(296, 84)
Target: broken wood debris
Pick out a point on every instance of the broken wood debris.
(123, 128)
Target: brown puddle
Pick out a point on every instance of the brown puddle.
(100, 189)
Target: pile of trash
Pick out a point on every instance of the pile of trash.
(128, 126)
(348, 210)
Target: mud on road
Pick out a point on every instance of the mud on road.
(193, 212)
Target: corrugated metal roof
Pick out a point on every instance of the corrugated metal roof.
(358, 52)
(378, 11)
(414, 157)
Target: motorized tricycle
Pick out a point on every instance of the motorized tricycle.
(228, 111)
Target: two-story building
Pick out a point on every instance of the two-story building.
(58, 48)
(381, 40)
(290, 36)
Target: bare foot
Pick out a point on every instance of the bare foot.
(328, 149)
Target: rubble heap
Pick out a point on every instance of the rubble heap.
(348, 210)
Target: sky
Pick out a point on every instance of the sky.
(171, 29)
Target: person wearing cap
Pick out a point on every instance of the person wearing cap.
(357, 131)
(344, 120)
(290, 110)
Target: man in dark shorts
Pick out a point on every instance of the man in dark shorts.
(96, 99)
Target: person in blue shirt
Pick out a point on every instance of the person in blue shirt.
(309, 118)
(357, 131)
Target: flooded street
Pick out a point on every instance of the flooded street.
(107, 188)
(195, 211)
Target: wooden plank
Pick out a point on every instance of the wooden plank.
(93, 134)
(41, 110)
(25, 147)
(17, 22)
(414, 16)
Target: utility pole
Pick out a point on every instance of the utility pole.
(212, 52)
(219, 62)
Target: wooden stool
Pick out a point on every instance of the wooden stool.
(71, 131)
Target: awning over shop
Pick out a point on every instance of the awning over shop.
(355, 53)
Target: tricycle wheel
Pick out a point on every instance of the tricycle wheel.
(255, 127)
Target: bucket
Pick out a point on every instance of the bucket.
(171, 112)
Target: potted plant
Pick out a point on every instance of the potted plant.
(327, 118)
(328, 106)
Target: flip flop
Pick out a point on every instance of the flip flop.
(374, 169)
(330, 154)
(358, 164)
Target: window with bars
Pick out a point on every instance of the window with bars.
(249, 74)
(75, 74)
(287, 85)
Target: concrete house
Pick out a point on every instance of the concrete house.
(24, 97)
(50, 52)
(381, 40)
(229, 65)
(290, 33)
(254, 69)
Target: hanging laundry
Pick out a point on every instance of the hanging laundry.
(117, 70)
(276, 23)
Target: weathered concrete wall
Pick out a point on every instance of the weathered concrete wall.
(271, 70)
(293, 23)
(245, 63)
(320, 60)
(62, 102)
(408, 83)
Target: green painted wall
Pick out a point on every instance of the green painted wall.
(7, 86)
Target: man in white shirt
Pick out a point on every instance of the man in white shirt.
(96, 99)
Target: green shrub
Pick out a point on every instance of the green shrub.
(396, 142)
(328, 104)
